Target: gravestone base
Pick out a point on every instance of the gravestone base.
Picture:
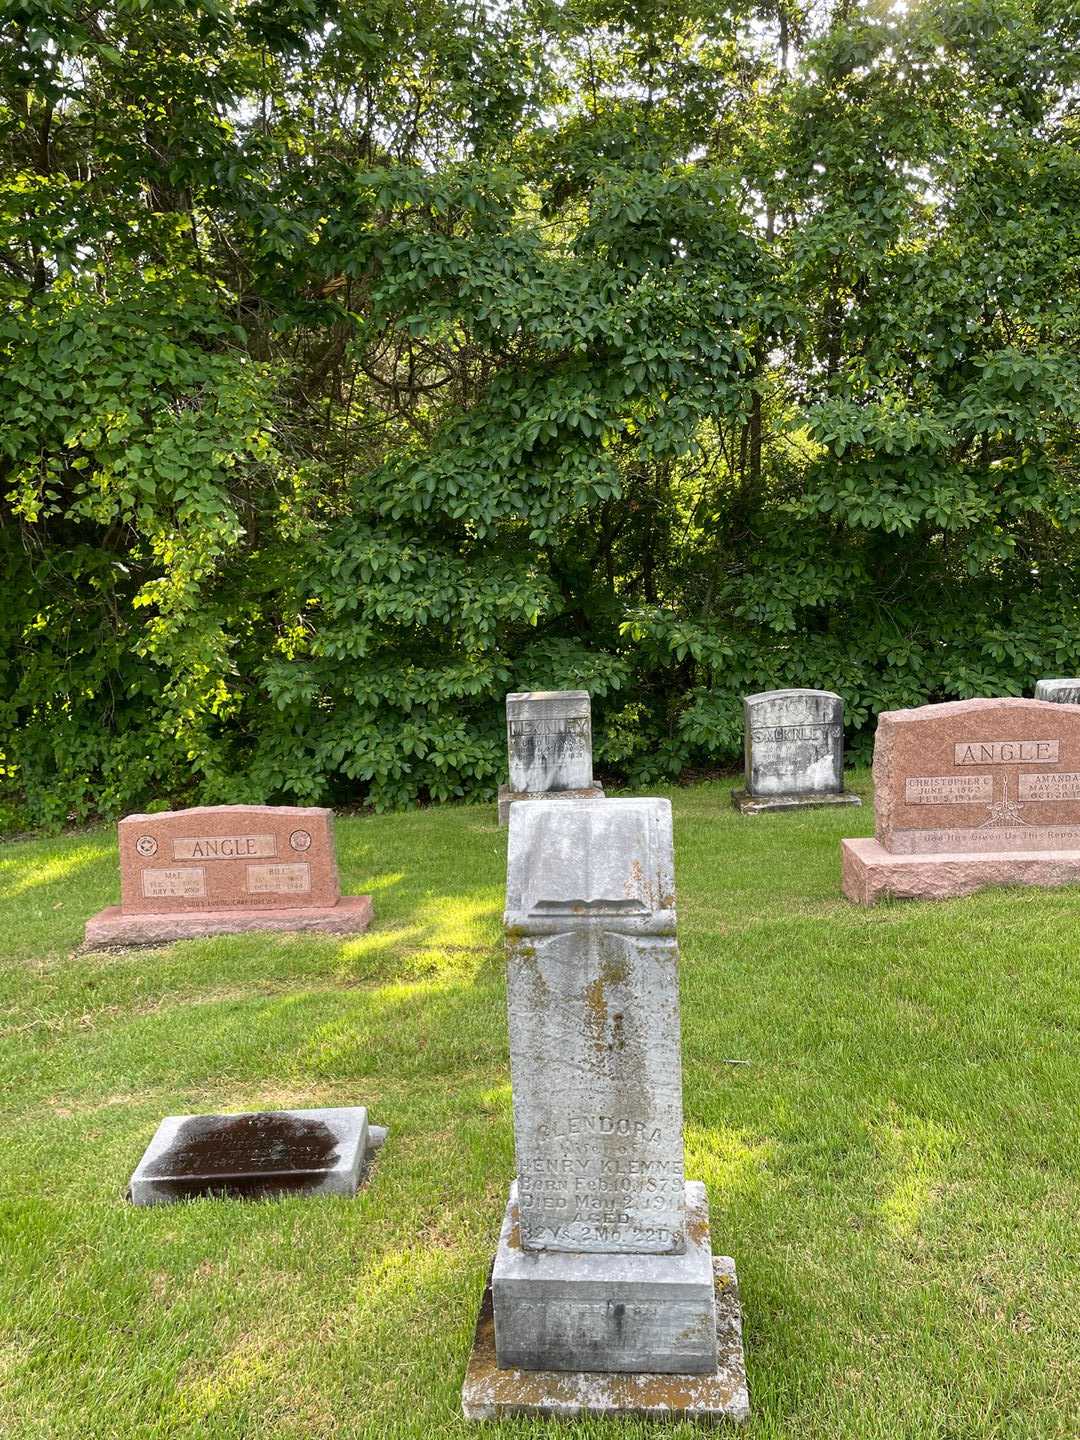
(491, 1393)
(111, 927)
(566, 1310)
(748, 804)
(254, 1155)
(508, 796)
(871, 873)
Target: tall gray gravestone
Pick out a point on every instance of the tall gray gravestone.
(793, 745)
(605, 1296)
(549, 747)
(1060, 692)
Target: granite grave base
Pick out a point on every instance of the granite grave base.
(254, 1155)
(508, 796)
(871, 873)
(111, 927)
(564, 1310)
(748, 804)
(720, 1395)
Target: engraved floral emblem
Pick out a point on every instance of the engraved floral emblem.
(1004, 813)
(300, 840)
(146, 845)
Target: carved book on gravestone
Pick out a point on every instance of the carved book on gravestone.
(604, 1269)
(549, 747)
(226, 868)
(968, 794)
(794, 751)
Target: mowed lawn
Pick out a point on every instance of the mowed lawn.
(895, 1165)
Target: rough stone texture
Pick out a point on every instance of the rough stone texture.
(491, 1393)
(228, 857)
(748, 804)
(978, 776)
(575, 863)
(508, 796)
(793, 742)
(871, 873)
(311, 1152)
(560, 1311)
(549, 740)
(111, 927)
(221, 869)
(1059, 692)
(594, 1026)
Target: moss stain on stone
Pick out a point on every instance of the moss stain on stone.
(612, 971)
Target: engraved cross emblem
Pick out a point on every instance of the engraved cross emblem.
(1004, 812)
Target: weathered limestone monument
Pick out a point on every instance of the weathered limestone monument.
(270, 1152)
(793, 744)
(549, 745)
(969, 794)
(221, 869)
(605, 1296)
(1061, 692)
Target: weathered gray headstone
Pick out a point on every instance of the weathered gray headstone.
(794, 751)
(1061, 692)
(593, 996)
(549, 747)
(604, 1266)
(268, 1152)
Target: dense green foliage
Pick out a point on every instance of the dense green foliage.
(360, 362)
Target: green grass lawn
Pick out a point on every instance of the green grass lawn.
(896, 1168)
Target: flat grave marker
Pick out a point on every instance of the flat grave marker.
(269, 1152)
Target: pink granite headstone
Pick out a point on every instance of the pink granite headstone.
(221, 869)
(968, 794)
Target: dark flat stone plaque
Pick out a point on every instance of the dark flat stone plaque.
(268, 1152)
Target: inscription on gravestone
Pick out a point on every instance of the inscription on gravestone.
(549, 740)
(997, 791)
(1060, 692)
(594, 1031)
(549, 747)
(285, 855)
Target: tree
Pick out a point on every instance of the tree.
(362, 363)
